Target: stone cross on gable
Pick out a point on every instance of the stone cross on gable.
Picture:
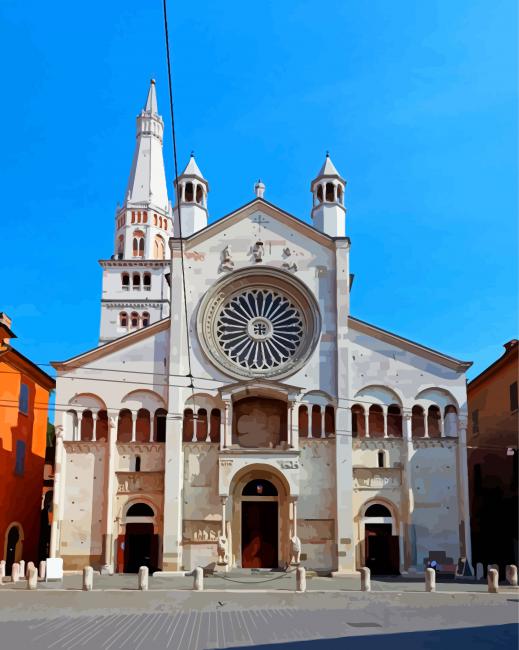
(260, 220)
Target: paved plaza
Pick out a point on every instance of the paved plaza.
(252, 611)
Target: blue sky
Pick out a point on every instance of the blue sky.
(416, 101)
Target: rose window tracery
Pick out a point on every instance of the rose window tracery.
(259, 329)
(258, 324)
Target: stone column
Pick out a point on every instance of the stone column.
(384, 410)
(463, 493)
(294, 424)
(228, 424)
(152, 427)
(223, 501)
(59, 488)
(426, 423)
(366, 423)
(134, 426)
(109, 486)
(293, 503)
(95, 420)
(323, 422)
(441, 425)
(79, 425)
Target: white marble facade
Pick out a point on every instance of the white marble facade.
(264, 414)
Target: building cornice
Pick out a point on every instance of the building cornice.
(509, 356)
(112, 346)
(134, 263)
(410, 346)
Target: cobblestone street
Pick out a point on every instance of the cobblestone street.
(114, 616)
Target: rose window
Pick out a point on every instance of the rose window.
(258, 323)
(259, 329)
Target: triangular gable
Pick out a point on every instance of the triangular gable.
(268, 208)
(112, 346)
(410, 346)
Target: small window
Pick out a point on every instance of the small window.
(381, 459)
(19, 468)
(136, 281)
(123, 319)
(145, 319)
(134, 319)
(513, 397)
(125, 278)
(23, 403)
(137, 463)
(145, 217)
(475, 421)
(147, 282)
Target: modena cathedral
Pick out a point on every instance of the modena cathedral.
(234, 412)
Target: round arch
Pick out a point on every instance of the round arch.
(378, 394)
(13, 554)
(438, 397)
(87, 401)
(267, 521)
(380, 538)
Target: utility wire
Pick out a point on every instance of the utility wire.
(166, 31)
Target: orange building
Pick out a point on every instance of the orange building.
(493, 431)
(24, 400)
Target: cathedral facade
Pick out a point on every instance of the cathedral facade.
(234, 413)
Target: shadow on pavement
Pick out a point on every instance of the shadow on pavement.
(491, 636)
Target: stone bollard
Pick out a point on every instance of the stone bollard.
(430, 580)
(15, 572)
(301, 579)
(88, 578)
(2, 570)
(143, 578)
(22, 569)
(32, 578)
(365, 579)
(30, 565)
(480, 571)
(493, 581)
(511, 574)
(198, 583)
(42, 570)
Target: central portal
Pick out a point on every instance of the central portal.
(259, 525)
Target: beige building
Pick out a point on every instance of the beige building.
(255, 421)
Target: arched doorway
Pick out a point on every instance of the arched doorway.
(259, 525)
(140, 546)
(13, 546)
(381, 546)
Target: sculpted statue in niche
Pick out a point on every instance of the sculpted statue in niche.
(227, 264)
(258, 251)
(295, 550)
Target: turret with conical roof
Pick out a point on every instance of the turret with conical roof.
(190, 211)
(328, 212)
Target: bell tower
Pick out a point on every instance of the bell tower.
(328, 212)
(191, 196)
(135, 290)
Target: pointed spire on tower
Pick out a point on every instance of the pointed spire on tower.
(192, 168)
(328, 168)
(151, 101)
(147, 182)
